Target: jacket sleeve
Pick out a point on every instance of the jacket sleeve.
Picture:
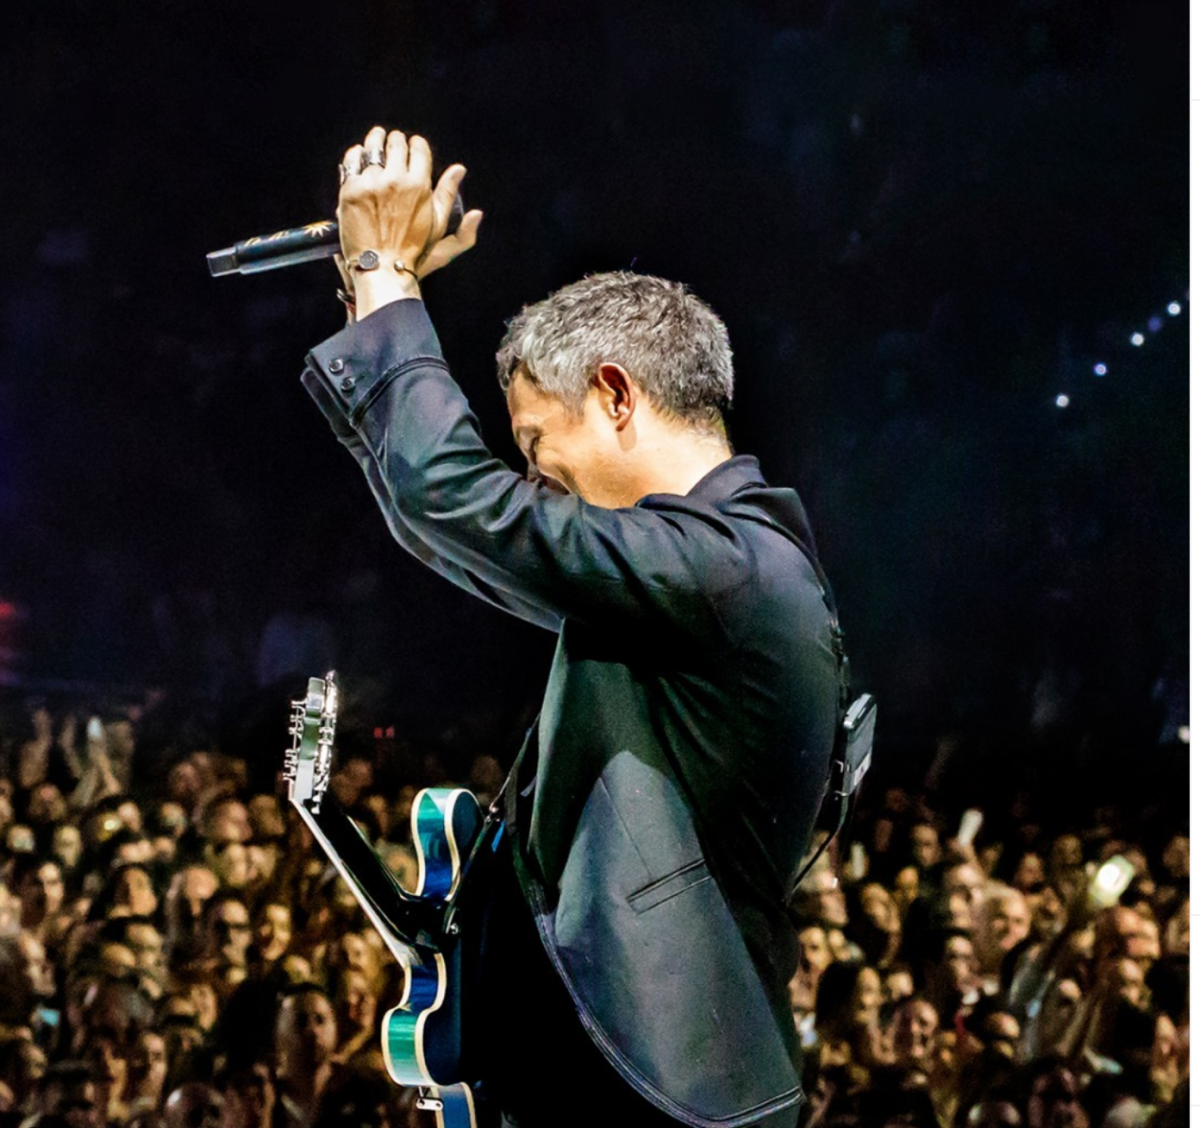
(385, 388)
(405, 536)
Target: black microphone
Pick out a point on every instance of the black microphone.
(297, 244)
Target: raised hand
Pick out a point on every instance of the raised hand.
(393, 221)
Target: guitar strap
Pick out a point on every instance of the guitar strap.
(508, 798)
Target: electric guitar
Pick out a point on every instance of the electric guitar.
(427, 1039)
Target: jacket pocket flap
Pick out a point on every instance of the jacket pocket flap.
(664, 888)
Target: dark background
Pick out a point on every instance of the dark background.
(923, 221)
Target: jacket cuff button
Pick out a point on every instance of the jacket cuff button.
(347, 384)
(336, 365)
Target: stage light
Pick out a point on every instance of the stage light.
(1062, 401)
(1101, 370)
(1137, 339)
(1174, 309)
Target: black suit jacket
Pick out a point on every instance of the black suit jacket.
(685, 734)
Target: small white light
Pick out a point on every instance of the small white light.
(1101, 370)
(1108, 878)
(1174, 309)
(1137, 339)
(1185, 734)
(1062, 401)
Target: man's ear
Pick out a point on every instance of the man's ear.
(618, 393)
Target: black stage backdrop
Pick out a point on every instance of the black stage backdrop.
(926, 223)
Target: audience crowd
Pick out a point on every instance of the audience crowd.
(177, 952)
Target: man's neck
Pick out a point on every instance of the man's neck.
(681, 465)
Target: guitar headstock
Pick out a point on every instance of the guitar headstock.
(307, 764)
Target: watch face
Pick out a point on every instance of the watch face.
(368, 260)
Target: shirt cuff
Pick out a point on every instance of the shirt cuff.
(347, 372)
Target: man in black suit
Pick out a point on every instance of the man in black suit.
(666, 798)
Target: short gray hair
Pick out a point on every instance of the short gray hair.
(670, 342)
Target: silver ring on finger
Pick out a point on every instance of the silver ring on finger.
(372, 159)
(343, 172)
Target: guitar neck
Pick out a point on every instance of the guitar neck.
(404, 921)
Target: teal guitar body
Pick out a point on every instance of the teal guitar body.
(428, 1036)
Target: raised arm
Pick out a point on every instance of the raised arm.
(385, 387)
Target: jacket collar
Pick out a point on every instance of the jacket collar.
(721, 482)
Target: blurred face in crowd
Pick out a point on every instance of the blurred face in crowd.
(230, 861)
(1030, 874)
(41, 893)
(828, 900)
(352, 950)
(1123, 931)
(172, 818)
(108, 1066)
(248, 1097)
(1005, 924)
(1127, 980)
(230, 926)
(184, 784)
(926, 845)
(26, 1067)
(1000, 1033)
(204, 999)
(116, 960)
(67, 845)
(402, 811)
(75, 1101)
(139, 851)
(131, 815)
(148, 1064)
(1176, 858)
(182, 1034)
(897, 985)
(133, 893)
(1048, 913)
(194, 1105)
(965, 881)
(352, 779)
(1054, 1101)
(907, 887)
(227, 821)
(273, 933)
(46, 805)
(879, 908)
(814, 948)
(356, 1003)
(306, 1031)
(1144, 946)
(190, 891)
(993, 1113)
(266, 819)
(959, 964)
(1177, 934)
(1066, 854)
(262, 859)
(295, 969)
(146, 943)
(38, 973)
(913, 1028)
(868, 997)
